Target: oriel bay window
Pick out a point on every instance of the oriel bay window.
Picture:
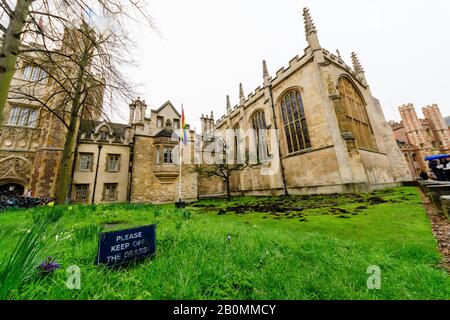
(164, 155)
(168, 155)
(294, 122)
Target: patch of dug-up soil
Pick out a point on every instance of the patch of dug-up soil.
(376, 200)
(203, 205)
(339, 211)
(268, 207)
(299, 204)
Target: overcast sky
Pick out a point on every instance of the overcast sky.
(207, 47)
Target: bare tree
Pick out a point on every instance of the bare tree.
(25, 21)
(82, 63)
(223, 167)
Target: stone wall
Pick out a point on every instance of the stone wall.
(148, 187)
(438, 126)
(48, 157)
(213, 187)
(416, 135)
(120, 177)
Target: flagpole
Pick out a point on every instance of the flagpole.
(183, 139)
(181, 151)
(181, 162)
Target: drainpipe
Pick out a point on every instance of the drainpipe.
(96, 173)
(130, 170)
(283, 176)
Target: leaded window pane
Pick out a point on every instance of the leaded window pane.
(86, 161)
(113, 162)
(23, 119)
(356, 114)
(81, 191)
(294, 121)
(14, 117)
(259, 127)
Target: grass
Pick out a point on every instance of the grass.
(317, 247)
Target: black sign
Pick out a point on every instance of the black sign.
(119, 247)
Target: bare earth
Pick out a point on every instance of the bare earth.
(441, 229)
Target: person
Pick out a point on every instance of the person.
(446, 168)
(436, 168)
(424, 176)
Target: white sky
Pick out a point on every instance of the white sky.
(207, 47)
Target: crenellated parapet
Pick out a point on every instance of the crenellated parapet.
(281, 74)
(438, 126)
(413, 127)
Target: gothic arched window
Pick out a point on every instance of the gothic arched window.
(237, 142)
(356, 114)
(259, 126)
(294, 122)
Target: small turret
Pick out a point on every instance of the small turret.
(265, 74)
(132, 106)
(203, 123)
(356, 64)
(228, 105)
(241, 94)
(357, 67)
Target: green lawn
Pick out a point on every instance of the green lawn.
(319, 248)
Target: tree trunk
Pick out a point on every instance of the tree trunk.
(65, 170)
(10, 49)
(67, 161)
(227, 181)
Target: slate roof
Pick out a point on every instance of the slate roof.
(88, 126)
(167, 133)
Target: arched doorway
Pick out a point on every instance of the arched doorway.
(11, 190)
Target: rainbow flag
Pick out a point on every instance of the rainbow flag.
(183, 126)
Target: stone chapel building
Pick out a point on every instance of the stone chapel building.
(332, 135)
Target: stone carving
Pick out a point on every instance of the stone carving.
(10, 133)
(23, 134)
(15, 167)
(168, 124)
(19, 137)
(35, 135)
